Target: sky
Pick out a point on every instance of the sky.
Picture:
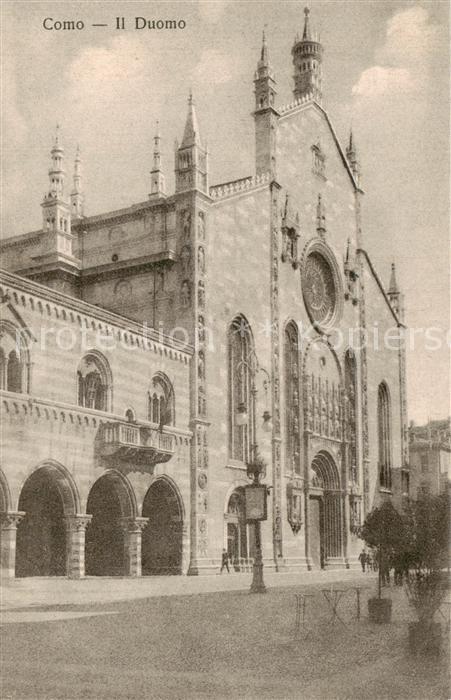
(386, 73)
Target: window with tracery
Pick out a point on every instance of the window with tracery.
(384, 436)
(240, 359)
(292, 428)
(94, 383)
(351, 415)
(161, 403)
(14, 363)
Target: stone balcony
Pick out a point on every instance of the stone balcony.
(135, 447)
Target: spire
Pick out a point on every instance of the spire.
(157, 187)
(55, 208)
(353, 159)
(191, 133)
(264, 57)
(394, 294)
(307, 58)
(191, 158)
(76, 196)
(77, 171)
(56, 172)
(306, 34)
(393, 286)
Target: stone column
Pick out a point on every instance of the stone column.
(75, 544)
(8, 524)
(185, 548)
(133, 528)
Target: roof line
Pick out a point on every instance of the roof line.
(381, 286)
(122, 322)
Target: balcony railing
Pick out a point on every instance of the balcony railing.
(136, 447)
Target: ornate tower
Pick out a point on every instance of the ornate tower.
(76, 196)
(307, 59)
(157, 186)
(353, 160)
(265, 85)
(55, 208)
(191, 158)
(265, 114)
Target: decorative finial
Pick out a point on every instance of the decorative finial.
(393, 286)
(306, 34)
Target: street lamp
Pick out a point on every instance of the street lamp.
(255, 493)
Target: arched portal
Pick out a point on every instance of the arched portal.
(240, 535)
(47, 498)
(325, 521)
(110, 501)
(162, 545)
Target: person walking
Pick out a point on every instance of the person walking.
(362, 559)
(225, 561)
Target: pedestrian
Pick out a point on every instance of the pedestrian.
(369, 562)
(362, 559)
(225, 561)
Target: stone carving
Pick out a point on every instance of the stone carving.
(186, 223)
(290, 234)
(320, 216)
(201, 365)
(275, 352)
(201, 226)
(201, 401)
(185, 294)
(201, 295)
(201, 328)
(185, 259)
(202, 480)
(201, 260)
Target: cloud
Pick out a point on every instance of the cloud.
(403, 60)
(214, 68)
(380, 80)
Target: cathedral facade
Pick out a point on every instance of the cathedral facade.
(151, 354)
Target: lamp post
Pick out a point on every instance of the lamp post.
(256, 493)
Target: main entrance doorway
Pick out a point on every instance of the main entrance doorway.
(162, 545)
(325, 521)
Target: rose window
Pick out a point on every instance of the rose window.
(319, 288)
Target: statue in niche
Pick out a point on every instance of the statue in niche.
(201, 366)
(201, 295)
(201, 260)
(185, 294)
(185, 259)
(201, 226)
(323, 414)
(186, 223)
(201, 328)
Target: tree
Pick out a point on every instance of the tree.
(384, 529)
(427, 530)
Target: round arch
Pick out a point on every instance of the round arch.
(111, 502)
(5, 494)
(161, 400)
(14, 358)
(239, 534)
(95, 381)
(162, 538)
(47, 497)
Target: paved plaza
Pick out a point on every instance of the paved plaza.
(207, 638)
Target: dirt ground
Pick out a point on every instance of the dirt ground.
(218, 645)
